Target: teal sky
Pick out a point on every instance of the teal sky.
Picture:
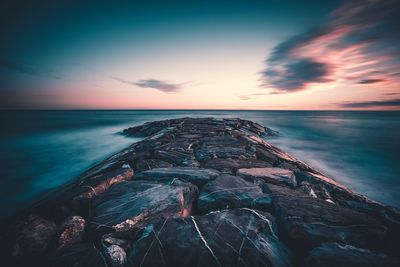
(190, 54)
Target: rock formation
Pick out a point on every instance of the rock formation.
(202, 192)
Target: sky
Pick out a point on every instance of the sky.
(279, 55)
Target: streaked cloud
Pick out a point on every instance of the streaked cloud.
(251, 96)
(360, 39)
(366, 104)
(164, 86)
(368, 81)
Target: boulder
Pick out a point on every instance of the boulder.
(228, 191)
(239, 237)
(269, 175)
(110, 239)
(307, 222)
(115, 255)
(73, 229)
(128, 204)
(336, 255)
(197, 176)
(34, 237)
(97, 184)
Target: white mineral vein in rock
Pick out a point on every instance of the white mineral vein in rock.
(262, 217)
(204, 241)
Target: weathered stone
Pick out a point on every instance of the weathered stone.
(336, 255)
(173, 157)
(34, 237)
(110, 239)
(306, 222)
(234, 164)
(269, 175)
(115, 255)
(148, 164)
(265, 154)
(224, 140)
(240, 237)
(228, 191)
(316, 191)
(80, 255)
(205, 153)
(127, 204)
(197, 176)
(73, 229)
(95, 185)
(190, 163)
(99, 183)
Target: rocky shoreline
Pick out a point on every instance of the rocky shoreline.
(202, 191)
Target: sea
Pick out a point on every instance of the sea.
(41, 150)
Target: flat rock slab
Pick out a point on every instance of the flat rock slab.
(233, 165)
(239, 237)
(205, 153)
(148, 164)
(336, 255)
(306, 222)
(228, 191)
(269, 175)
(197, 176)
(128, 203)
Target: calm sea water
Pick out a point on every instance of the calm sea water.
(40, 150)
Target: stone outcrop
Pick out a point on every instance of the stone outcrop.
(238, 237)
(228, 191)
(202, 192)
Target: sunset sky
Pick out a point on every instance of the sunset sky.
(200, 54)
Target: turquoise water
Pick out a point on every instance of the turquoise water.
(40, 150)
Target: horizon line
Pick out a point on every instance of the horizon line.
(144, 109)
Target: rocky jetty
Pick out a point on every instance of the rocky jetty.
(202, 192)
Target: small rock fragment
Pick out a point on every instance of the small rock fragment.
(73, 230)
(269, 175)
(116, 256)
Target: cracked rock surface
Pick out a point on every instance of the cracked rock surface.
(202, 192)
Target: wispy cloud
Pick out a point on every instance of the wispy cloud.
(368, 81)
(360, 36)
(392, 94)
(366, 104)
(28, 69)
(164, 86)
(251, 96)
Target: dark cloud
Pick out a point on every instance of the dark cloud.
(369, 28)
(27, 69)
(366, 104)
(392, 94)
(368, 81)
(296, 75)
(163, 86)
